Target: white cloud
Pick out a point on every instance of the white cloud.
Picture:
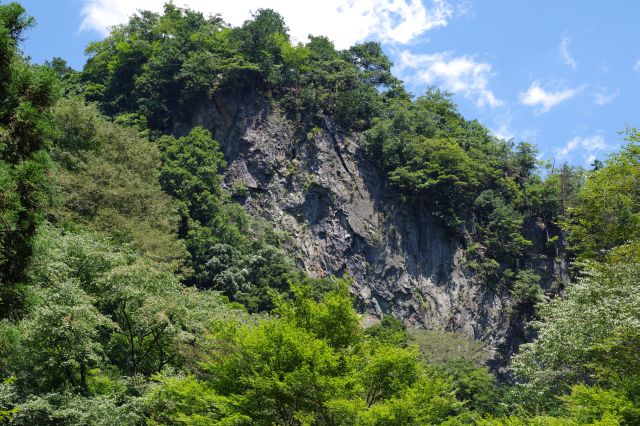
(586, 147)
(603, 97)
(636, 67)
(565, 54)
(458, 74)
(344, 21)
(502, 128)
(503, 132)
(537, 96)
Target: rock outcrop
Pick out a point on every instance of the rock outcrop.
(345, 219)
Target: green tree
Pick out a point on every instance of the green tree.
(189, 401)
(261, 39)
(27, 93)
(107, 180)
(526, 289)
(70, 409)
(499, 227)
(60, 340)
(333, 320)
(293, 369)
(592, 405)
(585, 336)
(430, 401)
(607, 212)
(442, 172)
(155, 319)
(386, 372)
(229, 250)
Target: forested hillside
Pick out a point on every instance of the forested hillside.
(139, 286)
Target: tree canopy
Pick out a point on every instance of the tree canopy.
(135, 290)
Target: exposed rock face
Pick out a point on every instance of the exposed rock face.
(345, 218)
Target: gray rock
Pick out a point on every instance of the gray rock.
(345, 219)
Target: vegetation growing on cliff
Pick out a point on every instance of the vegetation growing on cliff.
(133, 290)
(160, 67)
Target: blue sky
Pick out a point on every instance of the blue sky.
(564, 75)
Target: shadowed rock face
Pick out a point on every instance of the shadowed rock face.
(345, 219)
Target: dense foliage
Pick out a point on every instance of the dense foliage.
(160, 68)
(228, 250)
(606, 214)
(26, 93)
(591, 335)
(107, 180)
(134, 290)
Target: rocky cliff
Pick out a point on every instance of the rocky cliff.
(345, 218)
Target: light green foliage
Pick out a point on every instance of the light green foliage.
(278, 371)
(158, 320)
(592, 405)
(240, 189)
(430, 401)
(607, 212)
(82, 257)
(584, 405)
(7, 399)
(155, 316)
(108, 181)
(147, 305)
(476, 386)
(386, 371)
(530, 421)
(462, 360)
(275, 369)
(389, 330)
(441, 347)
(188, 401)
(291, 370)
(586, 335)
(74, 410)
(99, 312)
(60, 340)
(333, 320)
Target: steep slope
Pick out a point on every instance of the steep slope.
(432, 216)
(345, 218)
